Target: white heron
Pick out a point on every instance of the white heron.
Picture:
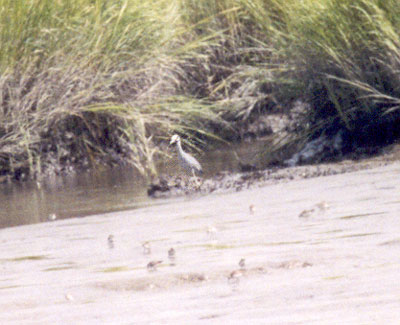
(187, 161)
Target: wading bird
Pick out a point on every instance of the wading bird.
(110, 240)
(188, 162)
(146, 248)
(152, 266)
(171, 256)
(242, 263)
(234, 278)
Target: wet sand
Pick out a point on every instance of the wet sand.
(322, 250)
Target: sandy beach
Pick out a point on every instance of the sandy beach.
(323, 250)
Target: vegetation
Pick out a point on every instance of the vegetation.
(89, 82)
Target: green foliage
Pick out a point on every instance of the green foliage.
(83, 81)
(349, 52)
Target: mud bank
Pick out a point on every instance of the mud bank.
(321, 250)
(165, 187)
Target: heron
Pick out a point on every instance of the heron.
(187, 161)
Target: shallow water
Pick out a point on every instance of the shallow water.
(100, 191)
(339, 263)
(73, 196)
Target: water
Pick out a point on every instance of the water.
(73, 196)
(102, 191)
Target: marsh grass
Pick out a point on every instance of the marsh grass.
(86, 82)
(347, 55)
(83, 82)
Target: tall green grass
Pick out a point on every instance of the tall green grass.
(346, 58)
(82, 80)
(87, 82)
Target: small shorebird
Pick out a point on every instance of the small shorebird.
(212, 232)
(146, 248)
(69, 297)
(234, 278)
(322, 206)
(252, 208)
(242, 263)
(110, 241)
(152, 266)
(319, 207)
(306, 213)
(171, 255)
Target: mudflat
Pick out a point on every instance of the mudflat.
(323, 250)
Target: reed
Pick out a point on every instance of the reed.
(86, 82)
(346, 54)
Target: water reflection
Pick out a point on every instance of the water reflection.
(101, 191)
(77, 195)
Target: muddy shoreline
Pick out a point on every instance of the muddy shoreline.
(166, 187)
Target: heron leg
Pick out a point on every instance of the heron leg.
(196, 180)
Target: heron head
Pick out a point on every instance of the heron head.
(174, 139)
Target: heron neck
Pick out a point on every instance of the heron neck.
(178, 145)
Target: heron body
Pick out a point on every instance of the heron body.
(187, 161)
